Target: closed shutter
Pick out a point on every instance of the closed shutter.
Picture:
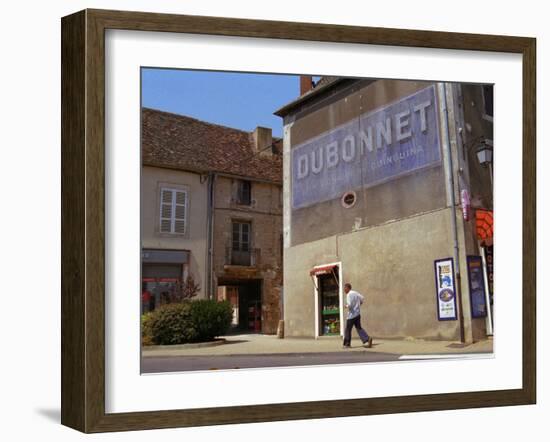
(166, 211)
(180, 204)
(173, 211)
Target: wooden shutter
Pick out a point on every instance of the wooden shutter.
(173, 211)
(180, 211)
(166, 211)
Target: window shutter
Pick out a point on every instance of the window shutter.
(166, 211)
(180, 206)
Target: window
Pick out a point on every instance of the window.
(173, 211)
(241, 236)
(241, 252)
(244, 191)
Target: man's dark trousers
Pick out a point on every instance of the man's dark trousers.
(350, 323)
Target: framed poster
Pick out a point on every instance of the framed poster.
(445, 289)
(103, 53)
(476, 280)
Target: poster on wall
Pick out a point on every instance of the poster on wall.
(445, 289)
(477, 287)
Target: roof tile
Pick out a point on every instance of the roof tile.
(181, 142)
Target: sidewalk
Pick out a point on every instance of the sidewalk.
(254, 344)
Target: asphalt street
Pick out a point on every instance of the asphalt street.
(166, 364)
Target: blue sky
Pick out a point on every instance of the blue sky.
(238, 100)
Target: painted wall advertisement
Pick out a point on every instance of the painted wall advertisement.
(477, 287)
(445, 289)
(373, 148)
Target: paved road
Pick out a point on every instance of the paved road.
(195, 363)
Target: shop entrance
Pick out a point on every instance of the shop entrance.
(246, 298)
(329, 305)
(328, 300)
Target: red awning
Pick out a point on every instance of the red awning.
(322, 270)
(484, 224)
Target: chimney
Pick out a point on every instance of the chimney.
(306, 84)
(263, 140)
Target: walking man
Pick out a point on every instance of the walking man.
(353, 304)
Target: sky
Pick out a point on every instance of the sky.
(239, 100)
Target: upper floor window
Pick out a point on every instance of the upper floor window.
(240, 249)
(173, 211)
(244, 192)
(241, 236)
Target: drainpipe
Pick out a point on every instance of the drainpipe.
(453, 213)
(210, 236)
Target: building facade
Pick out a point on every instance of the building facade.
(211, 202)
(173, 234)
(248, 250)
(382, 189)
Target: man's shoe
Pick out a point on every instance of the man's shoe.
(346, 346)
(370, 342)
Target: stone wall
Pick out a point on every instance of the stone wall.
(265, 215)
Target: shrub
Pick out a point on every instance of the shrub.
(188, 321)
(211, 318)
(146, 333)
(172, 324)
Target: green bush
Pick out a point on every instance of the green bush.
(172, 324)
(211, 318)
(146, 334)
(188, 321)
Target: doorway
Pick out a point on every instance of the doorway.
(328, 293)
(329, 305)
(246, 297)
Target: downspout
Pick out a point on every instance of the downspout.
(454, 227)
(210, 236)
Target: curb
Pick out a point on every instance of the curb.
(213, 343)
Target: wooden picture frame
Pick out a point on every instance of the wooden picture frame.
(83, 220)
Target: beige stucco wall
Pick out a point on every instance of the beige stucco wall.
(194, 240)
(391, 264)
(391, 259)
(404, 195)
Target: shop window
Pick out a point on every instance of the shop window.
(244, 192)
(173, 211)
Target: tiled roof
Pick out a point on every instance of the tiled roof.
(181, 142)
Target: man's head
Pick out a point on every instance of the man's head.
(347, 287)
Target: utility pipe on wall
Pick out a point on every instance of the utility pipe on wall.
(454, 228)
(210, 236)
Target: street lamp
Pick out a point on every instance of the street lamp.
(485, 156)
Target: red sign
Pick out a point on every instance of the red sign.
(322, 270)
